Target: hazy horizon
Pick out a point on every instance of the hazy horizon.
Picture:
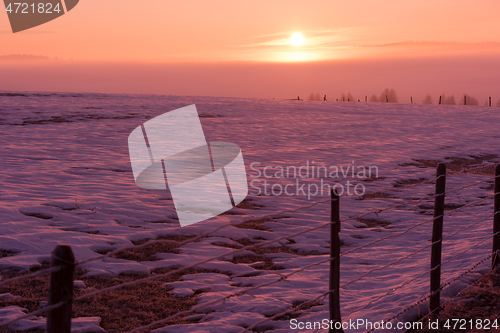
(410, 77)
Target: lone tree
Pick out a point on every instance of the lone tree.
(427, 99)
(314, 97)
(388, 96)
(448, 100)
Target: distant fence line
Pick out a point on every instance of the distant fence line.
(63, 263)
(390, 96)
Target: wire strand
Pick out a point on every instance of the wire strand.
(34, 313)
(32, 275)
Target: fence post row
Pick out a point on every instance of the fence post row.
(437, 237)
(61, 290)
(61, 281)
(334, 288)
(496, 221)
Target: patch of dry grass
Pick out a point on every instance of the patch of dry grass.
(447, 206)
(134, 306)
(245, 204)
(372, 223)
(120, 310)
(270, 250)
(254, 224)
(480, 301)
(258, 224)
(32, 291)
(147, 252)
(8, 330)
(457, 164)
(374, 195)
(7, 253)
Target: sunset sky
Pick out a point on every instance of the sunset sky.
(360, 37)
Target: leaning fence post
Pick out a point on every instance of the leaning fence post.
(334, 295)
(496, 221)
(440, 100)
(61, 290)
(437, 236)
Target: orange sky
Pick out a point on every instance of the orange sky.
(200, 30)
(221, 31)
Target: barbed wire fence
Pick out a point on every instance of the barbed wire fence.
(297, 309)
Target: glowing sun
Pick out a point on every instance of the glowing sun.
(297, 39)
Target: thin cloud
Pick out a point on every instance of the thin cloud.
(313, 39)
(434, 43)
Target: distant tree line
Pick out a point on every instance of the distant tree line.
(390, 96)
(22, 57)
(450, 100)
(387, 96)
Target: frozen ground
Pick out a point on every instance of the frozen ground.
(66, 178)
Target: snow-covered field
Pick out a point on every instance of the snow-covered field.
(65, 177)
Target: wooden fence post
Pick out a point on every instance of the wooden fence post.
(437, 236)
(490, 100)
(465, 99)
(61, 290)
(496, 221)
(411, 99)
(440, 100)
(334, 287)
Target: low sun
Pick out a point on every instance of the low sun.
(297, 39)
